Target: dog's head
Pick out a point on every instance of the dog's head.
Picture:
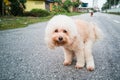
(60, 37)
(60, 31)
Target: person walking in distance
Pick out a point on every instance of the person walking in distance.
(91, 13)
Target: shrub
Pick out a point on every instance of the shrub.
(27, 13)
(37, 13)
(117, 13)
(67, 4)
(75, 4)
(58, 10)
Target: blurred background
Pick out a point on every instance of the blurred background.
(41, 7)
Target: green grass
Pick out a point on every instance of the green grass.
(20, 22)
(72, 14)
(116, 13)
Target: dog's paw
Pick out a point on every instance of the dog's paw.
(66, 63)
(90, 66)
(79, 66)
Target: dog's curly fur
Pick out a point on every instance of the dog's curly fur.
(75, 36)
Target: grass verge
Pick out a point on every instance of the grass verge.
(116, 13)
(20, 22)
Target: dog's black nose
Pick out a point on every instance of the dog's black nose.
(60, 38)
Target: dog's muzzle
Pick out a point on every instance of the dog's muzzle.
(60, 38)
(59, 41)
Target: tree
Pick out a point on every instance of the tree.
(1, 7)
(105, 6)
(58, 1)
(113, 2)
(17, 7)
(110, 3)
(67, 4)
(76, 3)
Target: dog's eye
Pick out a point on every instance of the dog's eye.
(64, 31)
(56, 30)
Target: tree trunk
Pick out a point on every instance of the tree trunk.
(2, 8)
(1, 1)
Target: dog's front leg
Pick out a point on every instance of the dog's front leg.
(88, 56)
(68, 55)
(80, 59)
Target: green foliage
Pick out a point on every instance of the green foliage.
(22, 1)
(58, 10)
(105, 6)
(17, 7)
(113, 2)
(110, 3)
(59, 1)
(19, 22)
(1, 7)
(75, 4)
(67, 4)
(37, 13)
(117, 13)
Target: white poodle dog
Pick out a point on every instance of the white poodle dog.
(75, 36)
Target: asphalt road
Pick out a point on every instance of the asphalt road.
(24, 55)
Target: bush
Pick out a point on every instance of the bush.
(67, 4)
(27, 13)
(58, 10)
(37, 13)
(117, 13)
(75, 4)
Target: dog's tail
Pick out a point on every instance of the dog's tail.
(98, 32)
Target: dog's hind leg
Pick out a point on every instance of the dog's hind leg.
(88, 55)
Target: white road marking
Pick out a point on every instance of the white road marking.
(116, 21)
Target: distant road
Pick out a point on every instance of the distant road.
(24, 55)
